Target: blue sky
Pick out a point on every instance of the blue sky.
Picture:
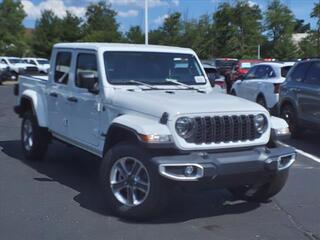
(131, 12)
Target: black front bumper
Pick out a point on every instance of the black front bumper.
(226, 168)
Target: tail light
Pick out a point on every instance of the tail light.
(276, 88)
(242, 71)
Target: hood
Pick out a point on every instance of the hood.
(187, 102)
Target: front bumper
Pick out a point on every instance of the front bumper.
(226, 168)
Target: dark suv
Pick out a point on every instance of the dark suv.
(300, 96)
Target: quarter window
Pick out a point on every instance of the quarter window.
(62, 68)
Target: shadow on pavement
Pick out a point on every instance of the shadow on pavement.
(307, 142)
(79, 170)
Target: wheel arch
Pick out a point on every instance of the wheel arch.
(30, 100)
(288, 102)
(119, 133)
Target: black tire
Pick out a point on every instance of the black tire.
(156, 199)
(233, 92)
(262, 101)
(262, 193)
(289, 114)
(40, 138)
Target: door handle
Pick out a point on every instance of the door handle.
(72, 99)
(53, 94)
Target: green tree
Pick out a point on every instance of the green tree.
(316, 14)
(308, 46)
(237, 29)
(101, 25)
(12, 39)
(301, 27)
(198, 35)
(135, 35)
(280, 25)
(247, 20)
(225, 41)
(47, 32)
(171, 30)
(70, 28)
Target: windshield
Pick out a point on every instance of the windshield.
(225, 63)
(152, 68)
(42, 61)
(245, 65)
(15, 60)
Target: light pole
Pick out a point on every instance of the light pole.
(146, 24)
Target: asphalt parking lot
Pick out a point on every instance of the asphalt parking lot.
(59, 198)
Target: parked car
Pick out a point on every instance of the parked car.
(241, 68)
(3, 69)
(224, 67)
(216, 80)
(300, 97)
(262, 84)
(150, 113)
(17, 66)
(42, 64)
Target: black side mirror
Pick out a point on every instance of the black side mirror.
(89, 81)
(241, 77)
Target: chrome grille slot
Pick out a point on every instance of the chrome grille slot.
(223, 129)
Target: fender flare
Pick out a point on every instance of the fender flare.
(38, 106)
(141, 125)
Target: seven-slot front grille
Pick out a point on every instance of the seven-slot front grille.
(223, 129)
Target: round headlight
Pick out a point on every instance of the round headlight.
(184, 126)
(260, 122)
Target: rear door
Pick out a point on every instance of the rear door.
(242, 88)
(58, 89)
(309, 95)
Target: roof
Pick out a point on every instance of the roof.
(123, 47)
(206, 65)
(276, 64)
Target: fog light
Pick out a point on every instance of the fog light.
(189, 171)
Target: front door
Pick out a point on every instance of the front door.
(309, 95)
(85, 103)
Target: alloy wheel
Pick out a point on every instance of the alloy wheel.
(129, 181)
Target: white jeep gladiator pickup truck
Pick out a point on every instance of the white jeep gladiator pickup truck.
(150, 113)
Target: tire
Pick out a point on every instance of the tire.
(16, 75)
(34, 139)
(262, 193)
(149, 202)
(289, 114)
(233, 92)
(262, 101)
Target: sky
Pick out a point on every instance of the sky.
(131, 12)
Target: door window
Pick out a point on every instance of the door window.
(251, 73)
(262, 72)
(298, 72)
(313, 74)
(87, 71)
(62, 68)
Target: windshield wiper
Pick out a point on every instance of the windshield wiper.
(184, 85)
(144, 84)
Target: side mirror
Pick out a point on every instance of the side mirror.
(241, 77)
(89, 81)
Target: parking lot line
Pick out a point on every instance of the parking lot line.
(305, 154)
